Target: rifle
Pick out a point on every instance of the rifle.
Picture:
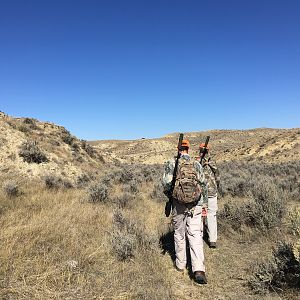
(168, 206)
(202, 155)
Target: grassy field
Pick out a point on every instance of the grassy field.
(110, 239)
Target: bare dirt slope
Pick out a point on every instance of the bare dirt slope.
(271, 145)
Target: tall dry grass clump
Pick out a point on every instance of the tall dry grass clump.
(59, 246)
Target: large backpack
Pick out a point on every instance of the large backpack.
(187, 188)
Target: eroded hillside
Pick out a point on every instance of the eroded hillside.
(271, 145)
(35, 149)
(71, 158)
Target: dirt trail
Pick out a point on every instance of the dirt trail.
(226, 269)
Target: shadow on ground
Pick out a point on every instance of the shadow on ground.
(166, 243)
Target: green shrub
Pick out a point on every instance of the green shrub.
(124, 200)
(11, 189)
(132, 187)
(123, 245)
(55, 182)
(239, 177)
(52, 181)
(269, 207)
(82, 180)
(279, 273)
(294, 226)
(130, 236)
(124, 241)
(31, 153)
(29, 121)
(98, 192)
(158, 193)
(67, 137)
(88, 149)
(23, 128)
(264, 211)
(75, 147)
(235, 215)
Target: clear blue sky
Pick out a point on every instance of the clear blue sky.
(124, 69)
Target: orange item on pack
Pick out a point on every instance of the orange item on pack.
(202, 145)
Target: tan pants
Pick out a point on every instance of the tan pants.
(188, 224)
(212, 208)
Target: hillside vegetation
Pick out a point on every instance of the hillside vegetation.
(35, 149)
(269, 145)
(99, 231)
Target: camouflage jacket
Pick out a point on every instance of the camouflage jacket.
(168, 176)
(212, 176)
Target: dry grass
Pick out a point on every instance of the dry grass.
(59, 243)
(55, 244)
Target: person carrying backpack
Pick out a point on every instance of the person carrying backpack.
(187, 200)
(212, 177)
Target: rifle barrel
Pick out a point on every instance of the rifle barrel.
(176, 162)
(205, 148)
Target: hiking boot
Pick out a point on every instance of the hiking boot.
(213, 245)
(200, 277)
